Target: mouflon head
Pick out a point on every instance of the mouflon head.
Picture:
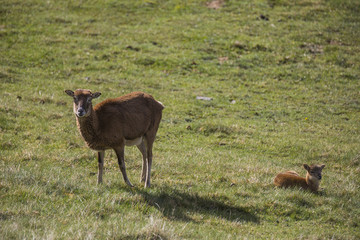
(82, 101)
(314, 170)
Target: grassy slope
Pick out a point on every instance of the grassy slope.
(285, 92)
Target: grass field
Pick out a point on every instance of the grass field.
(284, 81)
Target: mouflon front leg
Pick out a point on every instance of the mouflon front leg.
(121, 161)
(101, 155)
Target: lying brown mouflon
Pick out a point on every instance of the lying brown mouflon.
(292, 179)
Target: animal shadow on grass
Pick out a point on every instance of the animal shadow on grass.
(176, 204)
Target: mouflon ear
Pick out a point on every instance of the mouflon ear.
(322, 166)
(96, 95)
(306, 167)
(70, 93)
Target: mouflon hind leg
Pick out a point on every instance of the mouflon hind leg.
(149, 144)
(142, 149)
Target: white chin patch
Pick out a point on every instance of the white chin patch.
(83, 114)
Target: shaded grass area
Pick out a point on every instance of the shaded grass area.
(283, 78)
(175, 204)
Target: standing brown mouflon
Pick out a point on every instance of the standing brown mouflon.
(292, 179)
(132, 119)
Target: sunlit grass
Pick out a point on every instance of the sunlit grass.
(283, 79)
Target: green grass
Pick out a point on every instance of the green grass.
(285, 92)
